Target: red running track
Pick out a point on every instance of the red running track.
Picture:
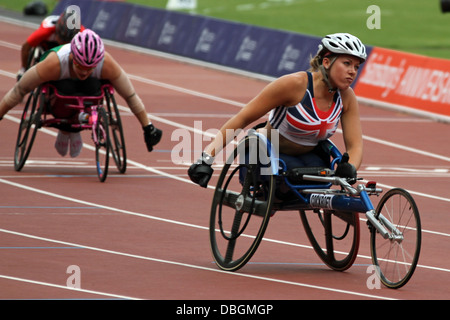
(144, 234)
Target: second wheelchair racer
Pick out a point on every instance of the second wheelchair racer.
(82, 60)
(53, 31)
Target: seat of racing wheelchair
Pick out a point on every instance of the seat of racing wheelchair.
(74, 87)
(61, 91)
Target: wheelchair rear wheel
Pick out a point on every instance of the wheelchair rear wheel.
(396, 258)
(29, 124)
(117, 139)
(34, 56)
(102, 144)
(241, 206)
(334, 236)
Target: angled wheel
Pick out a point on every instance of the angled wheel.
(29, 124)
(242, 205)
(396, 257)
(334, 236)
(118, 150)
(102, 144)
(34, 56)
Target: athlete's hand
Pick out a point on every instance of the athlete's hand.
(200, 171)
(346, 170)
(152, 136)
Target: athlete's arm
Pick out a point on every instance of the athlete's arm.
(44, 71)
(351, 128)
(285, 90)
(113, 72)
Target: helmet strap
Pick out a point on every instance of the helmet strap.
(325, 75)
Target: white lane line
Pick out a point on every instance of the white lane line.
(197, 267)
(146, 216)
(47, 284)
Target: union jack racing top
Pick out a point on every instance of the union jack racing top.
(304, 123)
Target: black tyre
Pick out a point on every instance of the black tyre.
(118, 150)
(334, 236)
(29, 124)
(34, 56)
(102, 145)
(242, 205)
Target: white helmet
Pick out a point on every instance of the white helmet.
(344, 43)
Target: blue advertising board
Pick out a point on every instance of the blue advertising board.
(250, 48)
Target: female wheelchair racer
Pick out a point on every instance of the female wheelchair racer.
(84, 57)
(305, 109)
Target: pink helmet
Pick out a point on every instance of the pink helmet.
(87, 48)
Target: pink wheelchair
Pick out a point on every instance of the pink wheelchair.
(93, 109)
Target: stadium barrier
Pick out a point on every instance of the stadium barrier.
(392, 79)
(407, 82)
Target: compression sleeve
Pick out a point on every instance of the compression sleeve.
(126, 90)
(27, 82)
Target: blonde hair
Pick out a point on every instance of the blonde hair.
(316, 61)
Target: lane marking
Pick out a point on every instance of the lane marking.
(181, 264)
(146, 216)
(46, 284)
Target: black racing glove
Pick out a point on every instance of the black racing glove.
(152, 136)
(346, 170)
(200, 171)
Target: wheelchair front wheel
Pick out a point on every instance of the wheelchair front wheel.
(241, 207)
(102, 144)
(396, 257)
(29, 124)
(334, 236)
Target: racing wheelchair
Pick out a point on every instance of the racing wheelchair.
(254, 184)
(48, 106)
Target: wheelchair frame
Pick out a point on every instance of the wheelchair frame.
(104, 122)
(249, 209)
